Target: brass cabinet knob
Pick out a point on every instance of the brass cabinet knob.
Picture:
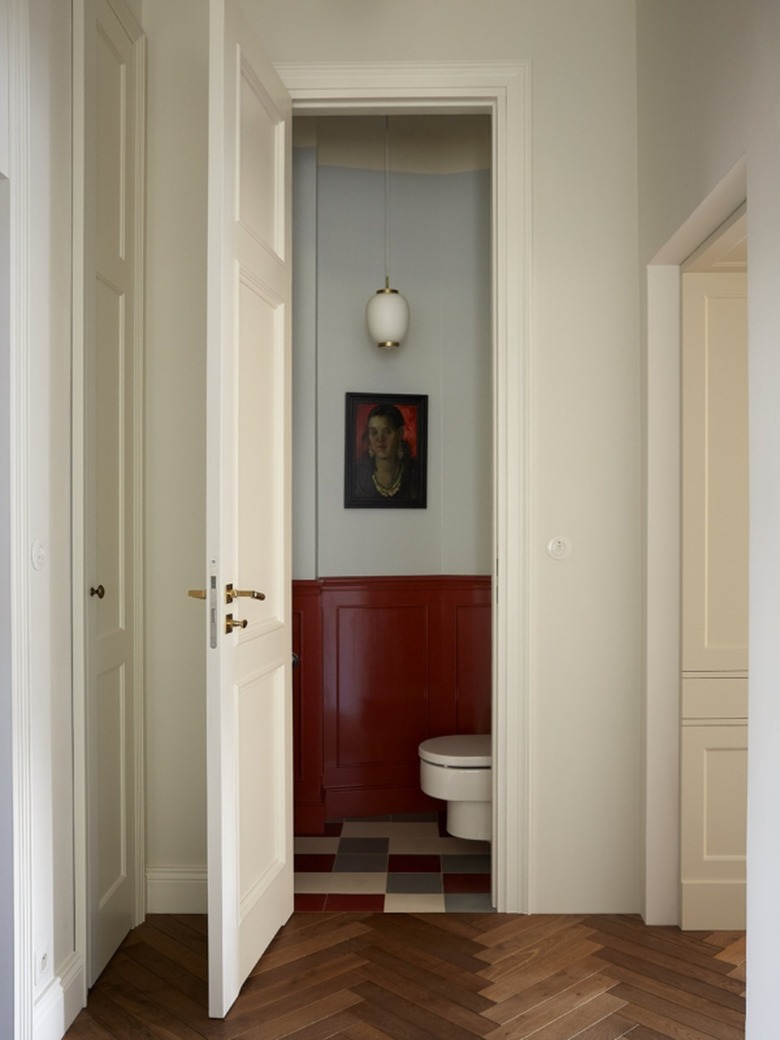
(99, 591)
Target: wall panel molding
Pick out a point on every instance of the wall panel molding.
(385, 662)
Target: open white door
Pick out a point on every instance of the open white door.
(250, 870)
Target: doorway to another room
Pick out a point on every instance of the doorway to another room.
(392, 606)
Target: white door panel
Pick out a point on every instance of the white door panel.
(248, 489)
(111, 265)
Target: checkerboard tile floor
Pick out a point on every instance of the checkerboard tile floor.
(396, 864)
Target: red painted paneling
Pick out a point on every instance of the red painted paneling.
(307, 709)
(400, 659)
(473, 680)
(376, 690)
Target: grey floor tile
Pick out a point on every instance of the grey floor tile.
(467, 903)
(360, 863)
(414, 883)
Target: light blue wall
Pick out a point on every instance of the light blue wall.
(440, 260)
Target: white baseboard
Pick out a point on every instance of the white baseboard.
(61, 1001)
(176, 890)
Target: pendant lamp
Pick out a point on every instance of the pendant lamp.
(387, 312)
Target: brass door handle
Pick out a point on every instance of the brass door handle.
(231, 593)
(231, 623)
(197, 593)
(99, 591)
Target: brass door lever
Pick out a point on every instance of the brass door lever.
(197, 593)
(232, 594)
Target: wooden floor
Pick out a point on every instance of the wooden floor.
(364, 976)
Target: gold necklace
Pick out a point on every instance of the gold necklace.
(387, 491)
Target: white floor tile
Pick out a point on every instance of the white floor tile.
(414, 903)
(357, 884)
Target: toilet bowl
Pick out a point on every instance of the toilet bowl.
(458, 770)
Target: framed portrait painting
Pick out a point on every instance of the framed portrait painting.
(386, 451)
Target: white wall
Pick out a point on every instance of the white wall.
(729, 103)
(49, 486)
(175, 459)
(6, 748)
(764, 326)
(440, 259)
(585, 655)
(37, 914)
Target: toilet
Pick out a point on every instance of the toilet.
(458, 770)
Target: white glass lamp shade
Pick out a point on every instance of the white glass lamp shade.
(387, 315)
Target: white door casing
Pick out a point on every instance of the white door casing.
(502, 90)
(109, 277)
(250, 871)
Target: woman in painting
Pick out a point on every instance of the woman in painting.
(387, 472)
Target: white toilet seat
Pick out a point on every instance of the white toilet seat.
(461, 750)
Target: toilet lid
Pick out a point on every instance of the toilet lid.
(463, 749)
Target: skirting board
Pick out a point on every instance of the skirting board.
(176, 890)
(57, 1007)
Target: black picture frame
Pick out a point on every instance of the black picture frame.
(382, 469)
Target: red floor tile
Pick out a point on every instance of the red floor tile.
(313, 863)
(414, 864)
(466, 883)
(372, 903)
(310, 902)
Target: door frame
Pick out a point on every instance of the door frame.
(502, 90)
(78, 511)
(661, 659)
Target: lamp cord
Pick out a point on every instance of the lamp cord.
(387, 202)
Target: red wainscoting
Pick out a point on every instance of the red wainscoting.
(384, 664)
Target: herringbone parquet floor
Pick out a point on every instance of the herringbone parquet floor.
(364, 976)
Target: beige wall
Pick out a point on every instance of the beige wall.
(714, 64)
(692, 106)
(586, 698)
(693, 83)
(585, 680)
(175, 444)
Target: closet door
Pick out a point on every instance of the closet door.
(714, 601)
